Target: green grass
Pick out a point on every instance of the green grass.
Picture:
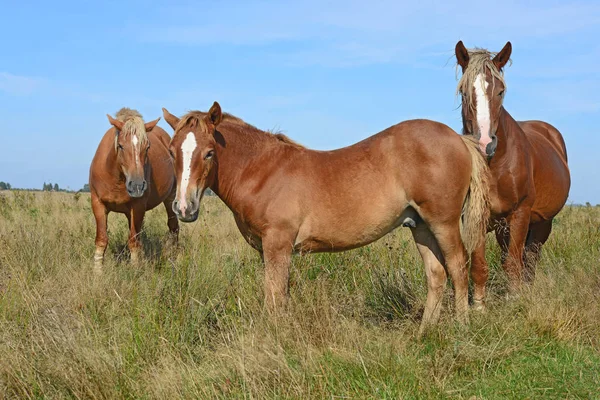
(189, 322)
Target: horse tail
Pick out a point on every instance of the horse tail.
(476, 208)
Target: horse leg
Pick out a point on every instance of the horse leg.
(277, 255)
(172, 220)
(135, 218)
(435, 272)
(502, 237)
(538, 234)
(518, 226)
(453, 249)
(479, 274)
(101, 216)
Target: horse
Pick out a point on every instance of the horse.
(288, 199)
(528, 164)
(131, 173)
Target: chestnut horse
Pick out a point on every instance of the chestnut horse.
(130, 174)
(286, 198)
(527, 160)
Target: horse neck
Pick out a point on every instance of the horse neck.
(111, 165)
(508, 133)
(239, 153)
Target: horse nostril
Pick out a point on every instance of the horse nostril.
(144, 185)
(175, 206)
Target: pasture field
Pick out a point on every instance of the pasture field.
(189, 322)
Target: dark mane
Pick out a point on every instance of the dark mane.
(196, 117)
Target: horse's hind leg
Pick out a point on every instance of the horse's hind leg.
(453, 249)
(101, 216)
(435, 272)
(172, 221)
(538, 234)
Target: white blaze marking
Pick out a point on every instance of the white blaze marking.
(136, 153)
(483, 111)
(187, 148)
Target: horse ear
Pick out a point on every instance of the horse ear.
(171, 119)
(115, 122)
(502, 58)
(150, 125)
(462, 55)
(215, 114)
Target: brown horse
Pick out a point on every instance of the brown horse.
(528, 163)
(130, 174)
(286, 198)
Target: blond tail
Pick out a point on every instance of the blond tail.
(476, 208)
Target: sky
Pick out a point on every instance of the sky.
(326, 73)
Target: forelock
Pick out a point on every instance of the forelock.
(480, 61)
(134, 125)
(192, 120)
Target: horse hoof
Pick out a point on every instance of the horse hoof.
(98, 267)
(479, 306)
(513, 295)
(135, 258)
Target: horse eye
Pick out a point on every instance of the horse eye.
(501, 93)
(120, 146)
(171, 153)
(209, 155)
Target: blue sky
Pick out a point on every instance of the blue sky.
(327, 73)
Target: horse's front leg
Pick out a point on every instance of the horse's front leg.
(136, 218)
(277, 253)
(101, 216)
(479, 274)
(512, 243)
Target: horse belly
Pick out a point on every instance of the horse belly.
(349, 229)
(552, 183)
(552, 190)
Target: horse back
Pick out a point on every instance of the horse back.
(162, 169)
(540, 129)
(161, 137)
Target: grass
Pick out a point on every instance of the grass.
(189, 322)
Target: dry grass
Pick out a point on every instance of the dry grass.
(189, 322)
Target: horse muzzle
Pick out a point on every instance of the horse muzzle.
(490, 149)
(136, 187)
(187, 212)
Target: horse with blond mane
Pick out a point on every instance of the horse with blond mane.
(131, 173)
(528, 163)
(286, 198)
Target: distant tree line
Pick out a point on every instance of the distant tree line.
(46, 187)
(49, 187)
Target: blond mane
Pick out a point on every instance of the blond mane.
(133, 125)
(479, 61)
(196, 117)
